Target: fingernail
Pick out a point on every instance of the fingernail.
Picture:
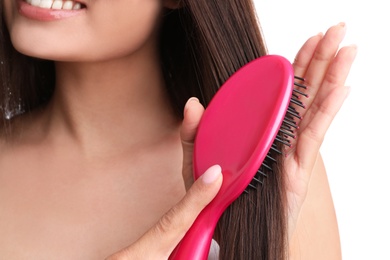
(343, 27)
(192, 100)
(212, 174)
(342, 24)
(354, 46)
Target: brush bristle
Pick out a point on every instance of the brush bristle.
(286, 134)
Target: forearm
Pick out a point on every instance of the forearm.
(316, 235)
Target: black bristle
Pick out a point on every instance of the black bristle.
(266, 165)
(271, 158)
(289, 123)
(295, 96)
(293, 112)
(297, 102)
(283, 141)
(261, 173)
(274, 148)
(300, 93)
(300, 85)
(283, 138)
(287, 129)
(257, 180)
(252, 186)
(287, 133)
(299, 78)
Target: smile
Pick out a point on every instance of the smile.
(51, 10)
(56, 4)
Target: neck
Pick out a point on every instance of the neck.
(111, 104)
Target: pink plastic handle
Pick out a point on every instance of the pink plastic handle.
(198, 237)
(236, 132)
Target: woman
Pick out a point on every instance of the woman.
(94, 148)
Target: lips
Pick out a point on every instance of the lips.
(56, 4)
(50, 10)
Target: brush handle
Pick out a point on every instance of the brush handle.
(196, 243)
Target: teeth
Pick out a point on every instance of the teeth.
(35, 2)
(46, 4)
(55, 4)
(77, 6)
(68, 5)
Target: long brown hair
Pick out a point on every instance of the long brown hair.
(211, 40)
(202, 43)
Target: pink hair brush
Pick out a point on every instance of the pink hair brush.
(249, 114)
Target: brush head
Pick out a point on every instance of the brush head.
(241, 123)
(237, 130)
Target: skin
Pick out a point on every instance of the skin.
(313, 223)
(87, 198)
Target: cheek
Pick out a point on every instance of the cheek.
(122, 31)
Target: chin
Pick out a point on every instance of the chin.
(44, 53)
(48, 50)
(62, 43)
(43, 42)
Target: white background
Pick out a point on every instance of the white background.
(357, 146)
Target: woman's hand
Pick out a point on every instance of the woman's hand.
(161, 239)
(325, 68)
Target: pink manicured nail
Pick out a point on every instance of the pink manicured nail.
(193, 99)
(212, 174)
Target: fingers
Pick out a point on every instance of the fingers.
(313, 60)
(160, 240)
(327, 103)
(335, 77)
(322, 57)
(338, 71)
(305, 54)
(193, 112)
(325, 68)
(311, 138)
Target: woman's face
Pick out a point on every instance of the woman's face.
(95, 30)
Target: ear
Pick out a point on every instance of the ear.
(172, 4)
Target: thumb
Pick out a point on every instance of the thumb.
(193, 112)
(162, 238)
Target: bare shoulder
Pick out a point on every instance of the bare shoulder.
(317, 235)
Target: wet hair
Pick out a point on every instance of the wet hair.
(202, 43)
